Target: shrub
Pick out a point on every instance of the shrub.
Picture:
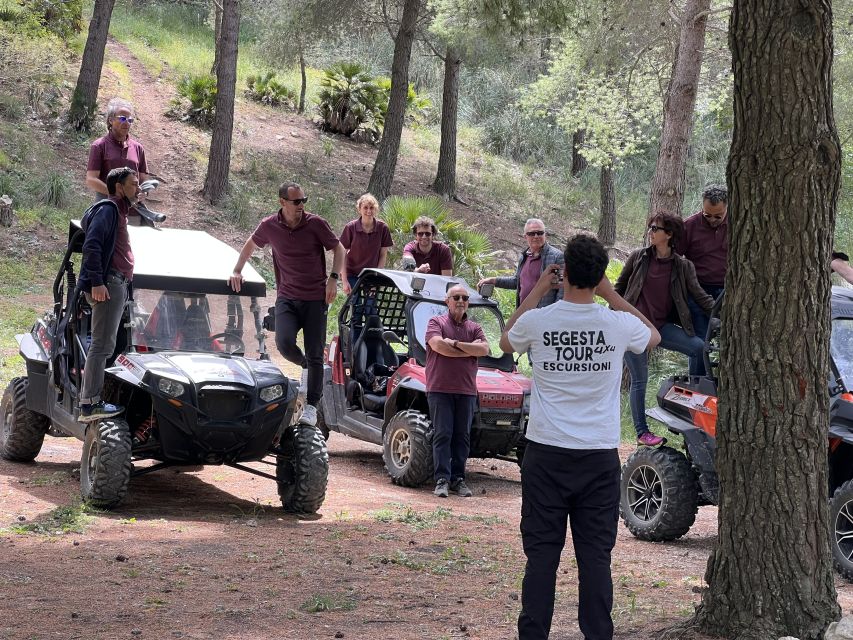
(64, 18)
(196, 100)
(418, 106)
(267, 90)
(351, 102)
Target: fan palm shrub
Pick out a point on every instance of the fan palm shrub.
(351, 101)
(266, 89)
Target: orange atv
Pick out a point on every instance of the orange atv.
(662, 488)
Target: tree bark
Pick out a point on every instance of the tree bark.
(578, 161)
(607, 221)
(303, 77)
(770, 574)
(219, 161)
(7, 215)
(81, 115)
(667, 190)
(217, 32)
(386, 159)
(445, 179)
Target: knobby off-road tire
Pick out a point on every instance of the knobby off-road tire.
(407, 448)
(22, 431)
(105, 466)
(659, 494)
(841, 529)
(303, 474)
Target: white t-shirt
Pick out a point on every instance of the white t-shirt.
(577, 352)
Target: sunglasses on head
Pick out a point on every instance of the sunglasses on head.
(654, 228)
(530, 234)
(297, 200)
(423, 234)
(460, 296)
(124, 119)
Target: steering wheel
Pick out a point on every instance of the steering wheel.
(230, 338)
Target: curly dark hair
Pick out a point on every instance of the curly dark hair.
(671, 223)
(119, 174)
(715, 193)
(586, 260)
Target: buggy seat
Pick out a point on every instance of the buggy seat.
(373, 361)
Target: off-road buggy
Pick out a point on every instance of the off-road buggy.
(192, 396)
(374, 383)
(662, 488)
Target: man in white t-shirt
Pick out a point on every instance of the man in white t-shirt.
(571, 463)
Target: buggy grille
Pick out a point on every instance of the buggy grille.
(224, 404)
(499, 420)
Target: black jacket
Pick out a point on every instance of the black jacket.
(100, 222)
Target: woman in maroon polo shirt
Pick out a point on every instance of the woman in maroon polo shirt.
(366, 240)
(116, 149)
(657, 281)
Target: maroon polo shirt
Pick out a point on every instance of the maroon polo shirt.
(107, 153)
(438, 257)
(122, 260)
(531, 270)
(707, 248)
(363, 247)
(298, 254)
(655, 301)
(452, 375)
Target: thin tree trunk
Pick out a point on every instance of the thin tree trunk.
(607, 221)
(386, 159)
(770, 574)
(445, 179)
(217, 32)
(85, 100)
(219, 162)
(303, 77)
(667, 190)
(578, 161)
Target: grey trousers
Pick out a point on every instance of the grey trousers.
(106, 317)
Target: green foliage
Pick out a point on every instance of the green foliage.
(351, 102)
(266, 89)
(321, 603)
(418, 107)
(64, 18)
(71, 518)
(196, 100)
(55, 191)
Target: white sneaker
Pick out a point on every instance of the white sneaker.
(309, 415)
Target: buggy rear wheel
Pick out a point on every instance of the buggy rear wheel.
(105, 466)
(302, 472)
(407, 448)
(22, 431)
(841, 529)
(659, 496)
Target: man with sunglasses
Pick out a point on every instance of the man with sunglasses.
(705, 242)
(534, 260)
(116, 149)
(299, 241)
(424, 254)
(453, 345)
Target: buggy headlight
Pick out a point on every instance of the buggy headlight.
(274, 392)
(170, 387)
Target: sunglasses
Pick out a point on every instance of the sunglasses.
(654, 228)
(297, 200)
(124, 119)
(530, 234)
(459, 296)
(709, 216)
(424, 234)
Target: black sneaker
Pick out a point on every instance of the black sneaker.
(441, 488)
(459, 487)
(98, 411)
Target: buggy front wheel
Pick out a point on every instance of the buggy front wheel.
(106, 463)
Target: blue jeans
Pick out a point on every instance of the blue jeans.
(451, 415)
(700, 320)
(673, 338)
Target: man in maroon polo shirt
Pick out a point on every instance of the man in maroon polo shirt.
(453, 345)
(705, 243)
(299, 241)
(116, 149)
(423, 254)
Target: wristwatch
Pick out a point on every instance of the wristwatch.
(335, 276)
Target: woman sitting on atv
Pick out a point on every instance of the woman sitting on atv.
(657, 281)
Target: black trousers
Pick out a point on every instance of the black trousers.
(310, 317)
(451, 415)
(582, 487)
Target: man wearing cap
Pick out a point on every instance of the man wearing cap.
(299, 241)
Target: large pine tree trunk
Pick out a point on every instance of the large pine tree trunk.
(771, 573)
(667, 192)
(578, 161)
(445, 179)
(607, 221)
(219, 161)
(217, 32)
(85, 100)
(386, 159)
(303, 82)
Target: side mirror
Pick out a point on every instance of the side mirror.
(268, 322)
(486, 290)
(389, 337)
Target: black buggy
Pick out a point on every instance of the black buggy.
(180, 368)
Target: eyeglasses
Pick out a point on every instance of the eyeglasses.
(709, 216)
(530, 234)
(459, 296)
(654, 228)
(124, 119)
(297, 200)
(423, 234)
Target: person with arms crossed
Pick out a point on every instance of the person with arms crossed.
(424, 254)
(299, 241)
(571, 467)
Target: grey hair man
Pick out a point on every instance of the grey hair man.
(115, 149)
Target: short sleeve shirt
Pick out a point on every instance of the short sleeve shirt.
(298, 254)
(577, 352)
(439, 256)
(452, 375)
(363, 247)
(107, 153)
